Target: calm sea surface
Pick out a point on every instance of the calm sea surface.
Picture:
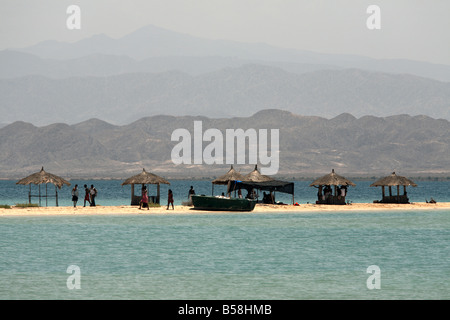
(227, 255)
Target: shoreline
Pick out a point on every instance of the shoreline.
(180, 209)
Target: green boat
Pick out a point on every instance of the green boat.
(222, 203)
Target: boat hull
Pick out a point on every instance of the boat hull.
(222, 204)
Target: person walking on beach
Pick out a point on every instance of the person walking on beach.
(170, 200)
(75, 195)
(86, 195)
(93, 193)
(144, 201)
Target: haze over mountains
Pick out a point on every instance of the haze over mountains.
(156, 71)
(154, 42)
(229, 92)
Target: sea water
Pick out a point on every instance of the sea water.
(303, 255)
(226, 255)
(111, 192)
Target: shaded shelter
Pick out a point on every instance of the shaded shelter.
(227, 179)
(145, 178)
(272, 186)
(390, 181)
(43, 177)
(252, 179)
(258, 181)
(324, 183)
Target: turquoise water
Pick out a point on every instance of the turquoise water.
(227, 256)
(112, 193)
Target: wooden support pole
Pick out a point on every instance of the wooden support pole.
(158, 194)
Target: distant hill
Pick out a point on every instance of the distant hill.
(154, 42)
(367, 146)
(229, 92)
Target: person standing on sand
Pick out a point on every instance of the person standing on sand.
(75, 195)
(144, 201)
(93, 193)
(191, 193)
(170, 200)
(86, 195)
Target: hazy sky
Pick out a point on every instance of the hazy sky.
(410, 29)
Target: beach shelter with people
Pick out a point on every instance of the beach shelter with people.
(325, 186)
(257, 181)
(43, 177)
(390, 181)
(145, 178)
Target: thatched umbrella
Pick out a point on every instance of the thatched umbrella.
(256, 176)
(331, 179)
(43, 177)
(144, 178)
(394, 180)
(231, 175)
(226, 179)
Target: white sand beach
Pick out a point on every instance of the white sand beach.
(260, 208)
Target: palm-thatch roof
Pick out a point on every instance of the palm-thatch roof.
(231, 175)
(331, 179)
(393, 180)
(256, 176)
(43, 177)
(145, 178)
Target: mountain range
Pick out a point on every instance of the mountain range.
(155, 42)
(309, 146)
(355, 114)
(154, 71)
(229, 92)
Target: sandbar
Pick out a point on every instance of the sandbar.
(179, 209)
